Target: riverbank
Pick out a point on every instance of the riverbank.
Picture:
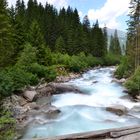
(34, 105)
(27, 104)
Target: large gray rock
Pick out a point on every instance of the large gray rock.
(117, 109)
(29, 95)
(56, 88)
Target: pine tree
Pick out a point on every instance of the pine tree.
(115, 44)
(98, 48)
(60, 45)
(133, 41)
(86, 22)
(6, 48)
(35, 38)
(105, 38)
(111, 46)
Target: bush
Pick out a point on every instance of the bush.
(37, 69)
(77, 64)
(7, 125)
(14, 79)
(50, 74)
(133, 84)
(111, 59)
(123, 69)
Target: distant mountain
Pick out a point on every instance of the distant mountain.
(121, 35)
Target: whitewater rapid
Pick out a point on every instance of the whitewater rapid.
(86, 112)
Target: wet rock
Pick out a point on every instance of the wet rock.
(135, 108)
(94, 82)
(56, 88)
(67, 78)
(29, 94)
(22, 101)
(127, 97)
(52, 112)
(33, 105)
(117, 109)
(121, 81)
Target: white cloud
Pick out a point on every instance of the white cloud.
(109, 13)
(80, 14)
(57, 3)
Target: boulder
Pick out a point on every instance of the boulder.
(52, 112)
(33, 105)
(136, 108)
(29, 94)
(117, 109)
(121, 81)
(22, 101)
(61, 88)
(56, 88)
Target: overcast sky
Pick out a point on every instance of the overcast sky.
(112, 13)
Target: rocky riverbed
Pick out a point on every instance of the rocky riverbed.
(27, 106)
(34, 106)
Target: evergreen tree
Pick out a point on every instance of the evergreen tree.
(98, 48)
(27, 57)
(133, 41)
(111, 46)
(35, 38)
(6, 48)
(86, 22)
(60, 45)
(115, 44)
(105, 38)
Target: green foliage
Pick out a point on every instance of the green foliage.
(60, 45)
(7, 125)
(14, 79)
(37, 69)
(133, 84)
(50, 74)
(115, 47)
(76, 64)
(123, 69)
(111, 59)
(27, 57)
(6, 47)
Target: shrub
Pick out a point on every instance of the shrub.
(123, 69)
(111, 59)
(76, 64)
(7, 125)
(50, 74)
(37, 69)
(14, 79)
(133, 84)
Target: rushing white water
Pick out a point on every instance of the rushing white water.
(86, 112)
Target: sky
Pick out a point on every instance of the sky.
(112, 13)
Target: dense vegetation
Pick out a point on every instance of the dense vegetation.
(129, 66)
(35, 40)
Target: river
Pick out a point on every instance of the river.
(87, 112)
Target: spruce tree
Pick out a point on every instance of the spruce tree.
(35, 38)
(6, 48)
(117, 46)
(60, 45)
(114, 47)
